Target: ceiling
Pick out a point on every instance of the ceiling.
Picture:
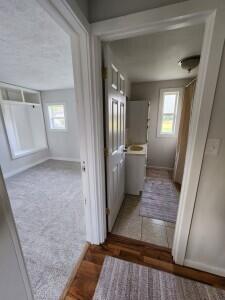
(34, 51)
(155, 57)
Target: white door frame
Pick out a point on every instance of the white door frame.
(88, 106)
(165, 18)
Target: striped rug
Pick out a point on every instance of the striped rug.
(159, 200)
(122, 280)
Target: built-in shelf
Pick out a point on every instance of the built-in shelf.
(22, 113)
(19, 94)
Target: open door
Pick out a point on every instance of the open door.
(115, 114)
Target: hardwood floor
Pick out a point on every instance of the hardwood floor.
(84, 283)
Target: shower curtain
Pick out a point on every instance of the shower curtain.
(183, 132)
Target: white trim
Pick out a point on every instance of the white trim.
(155, 20)
(65, 159)
(159, 168)
(160, 19)
(28, 166)
(177, 112)
(17, 87)
(19, 102)
(204, 267)
(202, 106)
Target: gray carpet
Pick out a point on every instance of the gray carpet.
(159, 200)
(122, 280)
(48, 208)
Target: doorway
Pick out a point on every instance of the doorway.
(157, 112)
(114, 30)
(40, 146)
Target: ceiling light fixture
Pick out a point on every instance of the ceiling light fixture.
(189, 63)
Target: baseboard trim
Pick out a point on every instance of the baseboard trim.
(19, 170)
(204, 267)
(64, 158)
(160, 168)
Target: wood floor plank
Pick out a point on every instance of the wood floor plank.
(85, 281)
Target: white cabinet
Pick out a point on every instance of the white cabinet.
(135, 171)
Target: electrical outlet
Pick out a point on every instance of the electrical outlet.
(212, 146)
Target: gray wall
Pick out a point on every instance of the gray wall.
(64, 145)
(207, 238)
(82, 4)
(106, 9)
(81, 10)
(10, 165)
(161, 150)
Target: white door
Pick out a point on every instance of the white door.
(115, 112)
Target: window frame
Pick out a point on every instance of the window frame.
(65, 117)
(179, 92)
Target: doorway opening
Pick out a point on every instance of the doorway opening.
(40, 145)
(148, 107)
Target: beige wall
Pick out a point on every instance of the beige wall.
(161, 151)
(206, 244)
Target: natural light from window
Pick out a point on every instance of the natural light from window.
(56, 113)
(168, 113)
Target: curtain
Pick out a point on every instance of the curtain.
(183, 133)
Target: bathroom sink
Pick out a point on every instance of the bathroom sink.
(136, 148)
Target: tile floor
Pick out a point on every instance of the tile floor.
(130, 224)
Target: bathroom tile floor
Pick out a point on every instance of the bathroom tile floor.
(130, 224)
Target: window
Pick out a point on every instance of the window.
(169, 112)
(57, 119)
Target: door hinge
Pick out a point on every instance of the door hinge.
(104, 73)
(106, 152)
(107, 211)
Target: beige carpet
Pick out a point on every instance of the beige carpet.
(121, 280)
(48, 208)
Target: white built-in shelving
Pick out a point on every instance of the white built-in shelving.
(22, 113)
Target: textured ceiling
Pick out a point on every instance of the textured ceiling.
(154, 57)
(34, 50)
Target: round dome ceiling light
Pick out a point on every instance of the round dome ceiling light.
(189, 63)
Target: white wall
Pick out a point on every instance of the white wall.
(12, 284)
(206, 245)
(105, 9)
(64, 145)
(161, 150)
(11, 166)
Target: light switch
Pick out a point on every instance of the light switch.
(212, 146)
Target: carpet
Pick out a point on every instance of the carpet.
(48, 209)
(122, 280)
(159, 200)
